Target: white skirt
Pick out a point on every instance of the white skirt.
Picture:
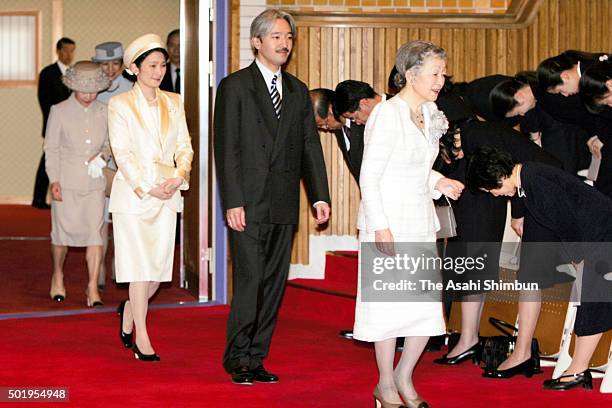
(376, 321)
(144, 245)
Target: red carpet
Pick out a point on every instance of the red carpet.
(317, 368)
(24, 221)
(25, 268)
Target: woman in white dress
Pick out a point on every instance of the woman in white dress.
(397, 188)
(152, 148)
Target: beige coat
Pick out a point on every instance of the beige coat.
(147, 149)
(75, 135)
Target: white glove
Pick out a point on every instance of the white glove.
(95, 166)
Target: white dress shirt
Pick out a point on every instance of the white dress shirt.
(268, 75)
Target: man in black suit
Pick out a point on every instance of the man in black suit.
(51, 90)
(355, 100)
(172, 79)
(348, 135)
(265, 142)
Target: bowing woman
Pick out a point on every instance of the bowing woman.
(561, 75)
(521, 97)
(577, 213)
(152, 148)
(596, 92)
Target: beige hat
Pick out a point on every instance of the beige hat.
(86, 76)
(139, 46)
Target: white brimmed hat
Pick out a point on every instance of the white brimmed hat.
(139, 46)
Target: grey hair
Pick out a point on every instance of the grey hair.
(263, 23)
(410, 57)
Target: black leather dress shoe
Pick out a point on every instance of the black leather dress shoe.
(242, 376)
(126, 338)
(138, 355)
(263, 376)
(583, 379)
(527, 368)
(474, 353)
(435, 343)
(347, 334)
(41, 205)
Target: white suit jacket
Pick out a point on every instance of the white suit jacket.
(396, 180)
(144, 149)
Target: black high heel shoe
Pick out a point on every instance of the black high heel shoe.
(584, 379)
(527, 368)
(144, 357)
(126, 338)
(474, 353)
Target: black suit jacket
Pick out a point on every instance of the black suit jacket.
(51, 90)
(166, 83)
(354, 155)
(260, 159)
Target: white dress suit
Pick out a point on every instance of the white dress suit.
(397, 187)
(150, 143)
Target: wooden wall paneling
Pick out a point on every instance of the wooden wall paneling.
(314, 58)
(502, 52)
(355, 55)
(583, 21)
(381, 69)
(328, 52)
(604, 24)
(435, 35)
(481, 54)
(469, 54)
(446, 42)
(367, 53)
(459, 49)
(402, 35)
(234, 35)
(327, 47)
(591, 15)
(490, 41)
(391, 46)
(550, 24)
(565, 26)
(513, 61)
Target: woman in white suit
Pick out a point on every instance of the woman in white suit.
(152, 148)
(397, 188)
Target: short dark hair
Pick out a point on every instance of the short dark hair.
(138, 61)
(392, 89)
(501, 96)
(549, 70)
(171, 33)
(322, 99)
(349, 93)
(64, 41)
(487, 167)
(593, 85)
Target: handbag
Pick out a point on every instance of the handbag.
(446, 216)
(165, 171)
(496, 349)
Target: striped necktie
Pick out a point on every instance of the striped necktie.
(276, 98)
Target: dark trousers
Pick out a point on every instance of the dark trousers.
(260, 259)
(41, 184)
